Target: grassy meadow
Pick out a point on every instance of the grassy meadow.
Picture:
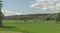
(30, 26)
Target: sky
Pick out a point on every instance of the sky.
(21, 7)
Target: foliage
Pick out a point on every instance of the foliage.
(57, 17)
(1, 18)
(32, 16)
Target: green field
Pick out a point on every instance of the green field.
(30, 26)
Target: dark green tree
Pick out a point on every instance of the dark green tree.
(57, 17)
(1, 15)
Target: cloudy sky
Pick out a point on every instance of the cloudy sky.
(18, 7)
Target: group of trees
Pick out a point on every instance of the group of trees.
(31, 16)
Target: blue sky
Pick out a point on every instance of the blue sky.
(21, 6)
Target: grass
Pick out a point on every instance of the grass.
(9, 32)
(31, 26)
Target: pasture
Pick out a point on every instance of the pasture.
(19, 26)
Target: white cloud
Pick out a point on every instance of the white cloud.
(39, 0)
(34, 5)
(45, 8)
(57, 4)
(18, 13)
(47, 4)
(45, 1)
(9, 13)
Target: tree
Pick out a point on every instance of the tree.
(57, 17)
(1, 15)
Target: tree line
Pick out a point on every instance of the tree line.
(31, 16)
